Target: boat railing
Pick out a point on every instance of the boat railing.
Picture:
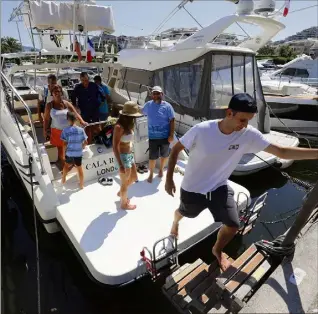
(29, 113)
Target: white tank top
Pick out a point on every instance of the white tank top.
(59, 119)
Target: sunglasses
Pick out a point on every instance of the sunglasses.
(156, 93)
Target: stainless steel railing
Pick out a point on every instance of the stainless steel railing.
(35, 139)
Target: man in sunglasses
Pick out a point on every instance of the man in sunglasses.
(161, 124)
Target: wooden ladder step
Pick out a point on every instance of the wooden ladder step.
(185, 286)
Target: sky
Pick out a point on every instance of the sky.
(137, 18)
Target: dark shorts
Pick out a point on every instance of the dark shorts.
(103, 116)
(42, 107)
(220, 202)
(90, 118)
(158, 148)
(77, 161)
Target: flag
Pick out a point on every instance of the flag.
(286, 9)
(78, 49)
(90, 51)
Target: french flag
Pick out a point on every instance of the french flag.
(286, 9)
(90, 51)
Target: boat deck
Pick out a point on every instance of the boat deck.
(109, 239)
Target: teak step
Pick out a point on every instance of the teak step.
(202, 288)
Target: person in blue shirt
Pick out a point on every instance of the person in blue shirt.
(161, 125)
(104, 106)
(75, 139)
(87, 96)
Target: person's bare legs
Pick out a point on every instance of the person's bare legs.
(61, 155)
(80, 176)
(175, 225)
(88, 131)
(225, 235)
(124, 177)
(162, 165)
(152, 164)
(132, 178)
(66, 169)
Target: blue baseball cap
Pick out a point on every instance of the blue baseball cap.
(243, 102)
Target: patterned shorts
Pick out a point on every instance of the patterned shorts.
(127, 159)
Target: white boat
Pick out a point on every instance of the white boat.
(292, 94)
(199, 77)
(303, 69)
(108, 240)
(164, 40)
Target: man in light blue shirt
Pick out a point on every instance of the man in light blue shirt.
(104, 106)
(161, 125)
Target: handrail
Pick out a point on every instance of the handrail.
(96, 123)
(35, 139)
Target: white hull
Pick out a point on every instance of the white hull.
(299, 126)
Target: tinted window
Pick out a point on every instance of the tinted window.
(289, 72)
(302, 73)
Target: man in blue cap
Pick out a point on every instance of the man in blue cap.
(216, 147)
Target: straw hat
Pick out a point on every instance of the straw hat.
(130, 109)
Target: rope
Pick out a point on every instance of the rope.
(38, 281)
(282, 219)
(294, 181)
(193, 17)
(288, 128)
(275, 247)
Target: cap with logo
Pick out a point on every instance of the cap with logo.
(156, 89)
(243, 102)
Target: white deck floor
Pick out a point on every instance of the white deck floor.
(109, 240)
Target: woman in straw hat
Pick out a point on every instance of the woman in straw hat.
(122, 146)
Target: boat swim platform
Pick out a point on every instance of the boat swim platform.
(201, 288)
(109, 240)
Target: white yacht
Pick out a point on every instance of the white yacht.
(292, 94)
(199, 76)
(107, 239)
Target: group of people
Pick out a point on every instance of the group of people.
(89, 104)
(215, 149)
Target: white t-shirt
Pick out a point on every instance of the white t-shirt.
(49, 98)
(213, 156)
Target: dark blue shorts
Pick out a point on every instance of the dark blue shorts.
(158, 147)
(90, 118)
(77, 161)
(220, 202)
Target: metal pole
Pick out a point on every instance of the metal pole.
(308, 207)
(35, 139)
(19, 36)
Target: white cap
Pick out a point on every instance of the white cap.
(157, 89)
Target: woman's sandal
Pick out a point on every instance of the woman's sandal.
(144, 168)
(105, 181)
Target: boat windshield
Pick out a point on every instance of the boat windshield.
(207, 84)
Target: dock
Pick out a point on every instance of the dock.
(292, 287)
(202, 288)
